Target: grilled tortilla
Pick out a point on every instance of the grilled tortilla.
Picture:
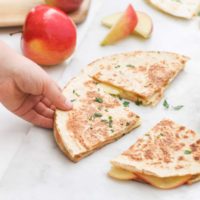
(179, 8)
(97, 118)
(166, 157)
(140, 76)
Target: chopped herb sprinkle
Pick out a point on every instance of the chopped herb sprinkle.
(187, 152)
(74, 92)
(110, 121)
(99, 108)
(98, 99)
(166, 104)
(117, 66)
(129, 65)
(104, 120)
(97, 115)
(73, 100)
(126, 103)
(178, 107)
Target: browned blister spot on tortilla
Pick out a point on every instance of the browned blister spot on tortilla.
(85, 132)
(195, 148)
(159, 145)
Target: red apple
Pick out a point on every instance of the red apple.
(65, 5)
(49, 36)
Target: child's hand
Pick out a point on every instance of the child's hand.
(27, 90)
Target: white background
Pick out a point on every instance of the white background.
(32, 166)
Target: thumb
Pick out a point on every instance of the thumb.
(54, 94)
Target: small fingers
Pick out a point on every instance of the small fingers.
(42, 109)
(38, 120)
(48, 103)
(53, 93)
(27, 105)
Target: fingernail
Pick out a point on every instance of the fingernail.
(68, 104)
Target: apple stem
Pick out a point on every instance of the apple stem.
(16, 32)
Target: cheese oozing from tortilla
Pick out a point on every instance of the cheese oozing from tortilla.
(166, 156)
(162, 183)
(140, 76)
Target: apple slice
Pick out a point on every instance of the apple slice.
(121, 174)
(144, 26)
(123, 27)
(165, 183)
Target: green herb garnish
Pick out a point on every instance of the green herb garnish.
(97, 115)
(129, 65)
(74, 92)
(73, 100)
(187, 152)
(98, 99)
(126, 103)
(166, 104)
(178, 107)
(104, 120)
(110, 121)
(117, 66)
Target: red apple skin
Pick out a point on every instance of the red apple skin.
(65, 5)
(49, 36)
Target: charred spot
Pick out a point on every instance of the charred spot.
(197, 158)
(182, 128)
(148, 154)
(180, 158)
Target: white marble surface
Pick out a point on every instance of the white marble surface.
(13, 129)
(40, 171)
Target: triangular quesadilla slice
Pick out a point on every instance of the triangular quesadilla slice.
(97, 118)
(166, 157)
(179, 8)
(140, 76)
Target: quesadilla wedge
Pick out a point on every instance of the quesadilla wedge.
(166, 157)
(140, 76)
(179, 8)
(97, 118)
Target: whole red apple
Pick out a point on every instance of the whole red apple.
(49, 36)
(65, 5)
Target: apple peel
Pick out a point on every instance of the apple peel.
(143, 28)
(123, 27)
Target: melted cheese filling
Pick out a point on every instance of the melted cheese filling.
(130, 95)
(159, 182)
